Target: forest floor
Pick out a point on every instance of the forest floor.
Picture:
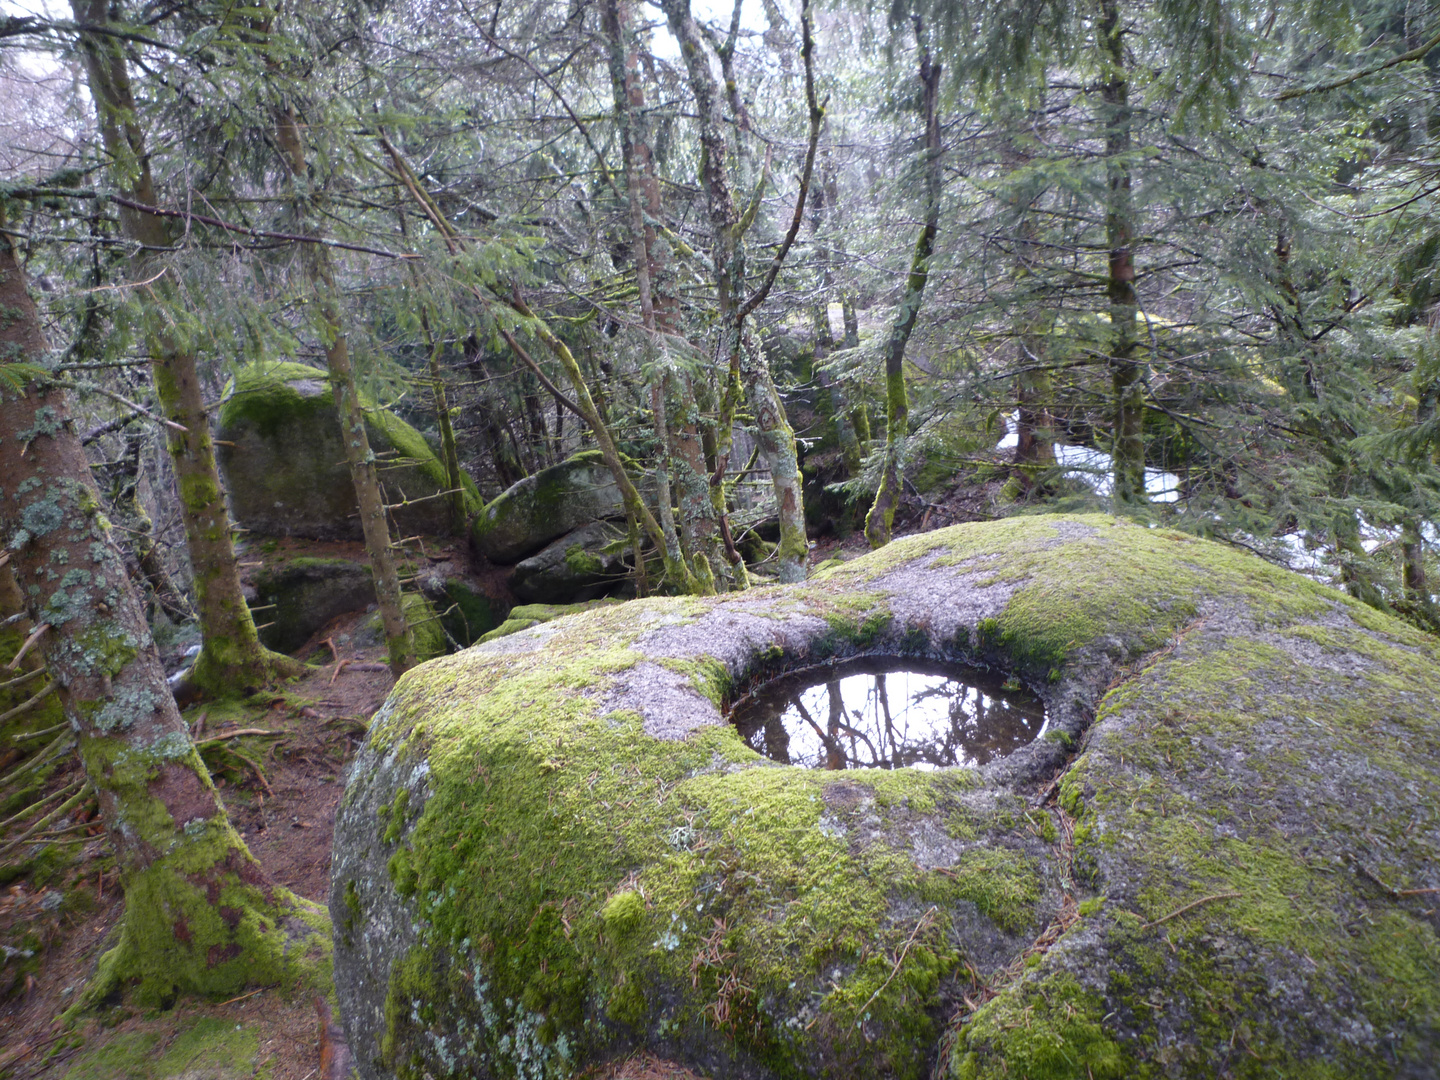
(281, 787)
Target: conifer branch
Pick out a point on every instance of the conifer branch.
(1417, 53)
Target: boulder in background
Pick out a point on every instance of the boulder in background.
(280, 450)
(589, 560)
(544, 507)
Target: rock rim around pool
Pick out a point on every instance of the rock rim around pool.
(1220, 861)
(280, 449)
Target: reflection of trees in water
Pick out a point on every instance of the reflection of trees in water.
(803, 721)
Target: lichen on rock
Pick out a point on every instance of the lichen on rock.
(554, 848)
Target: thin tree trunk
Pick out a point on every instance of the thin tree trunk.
(774, 435)
(368, 494)
(820, 196)
(449, 454)
(1412, 541)
(200, 917)
(231, 656)
(642, 191)
(1035, 427)
(142, 542)
(1127, 444)
(664, 497)
(584, 404)
(881, 519)
(1331, 440)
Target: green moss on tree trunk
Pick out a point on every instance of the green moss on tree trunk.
(200, 916)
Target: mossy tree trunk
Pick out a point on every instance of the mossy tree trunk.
(200, 916)
(1412, 540)
(880, 522)
(374, 524)
(773, 433)
(231, 656)
(1127, 388)
(642, 194)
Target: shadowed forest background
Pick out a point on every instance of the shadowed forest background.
(580, 301)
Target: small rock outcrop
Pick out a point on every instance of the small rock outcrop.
(297, 597)
(279, 447)
(589, 561)
(524, 616)
(546, 506)
(1221, 859)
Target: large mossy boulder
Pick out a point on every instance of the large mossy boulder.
(280, 449)
(546, 506)
(1221, 860)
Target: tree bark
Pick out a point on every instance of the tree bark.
(820, 196)
(200, 916)
(642, 192)
(449, 454)
(1035, 427)
(1412, 540)
(881, 519)
(1127, 444)
(777, 441)
(373, 523)
(231, 656)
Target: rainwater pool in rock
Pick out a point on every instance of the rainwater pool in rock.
(883, 713)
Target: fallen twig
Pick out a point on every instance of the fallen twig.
(1365, 871)
(26, 706)
(242, 997)
(236, 734)
(924, 919)
(29, 642)
(1193, 904)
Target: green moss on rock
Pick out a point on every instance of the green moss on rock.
(280, 448)
(588, 858)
